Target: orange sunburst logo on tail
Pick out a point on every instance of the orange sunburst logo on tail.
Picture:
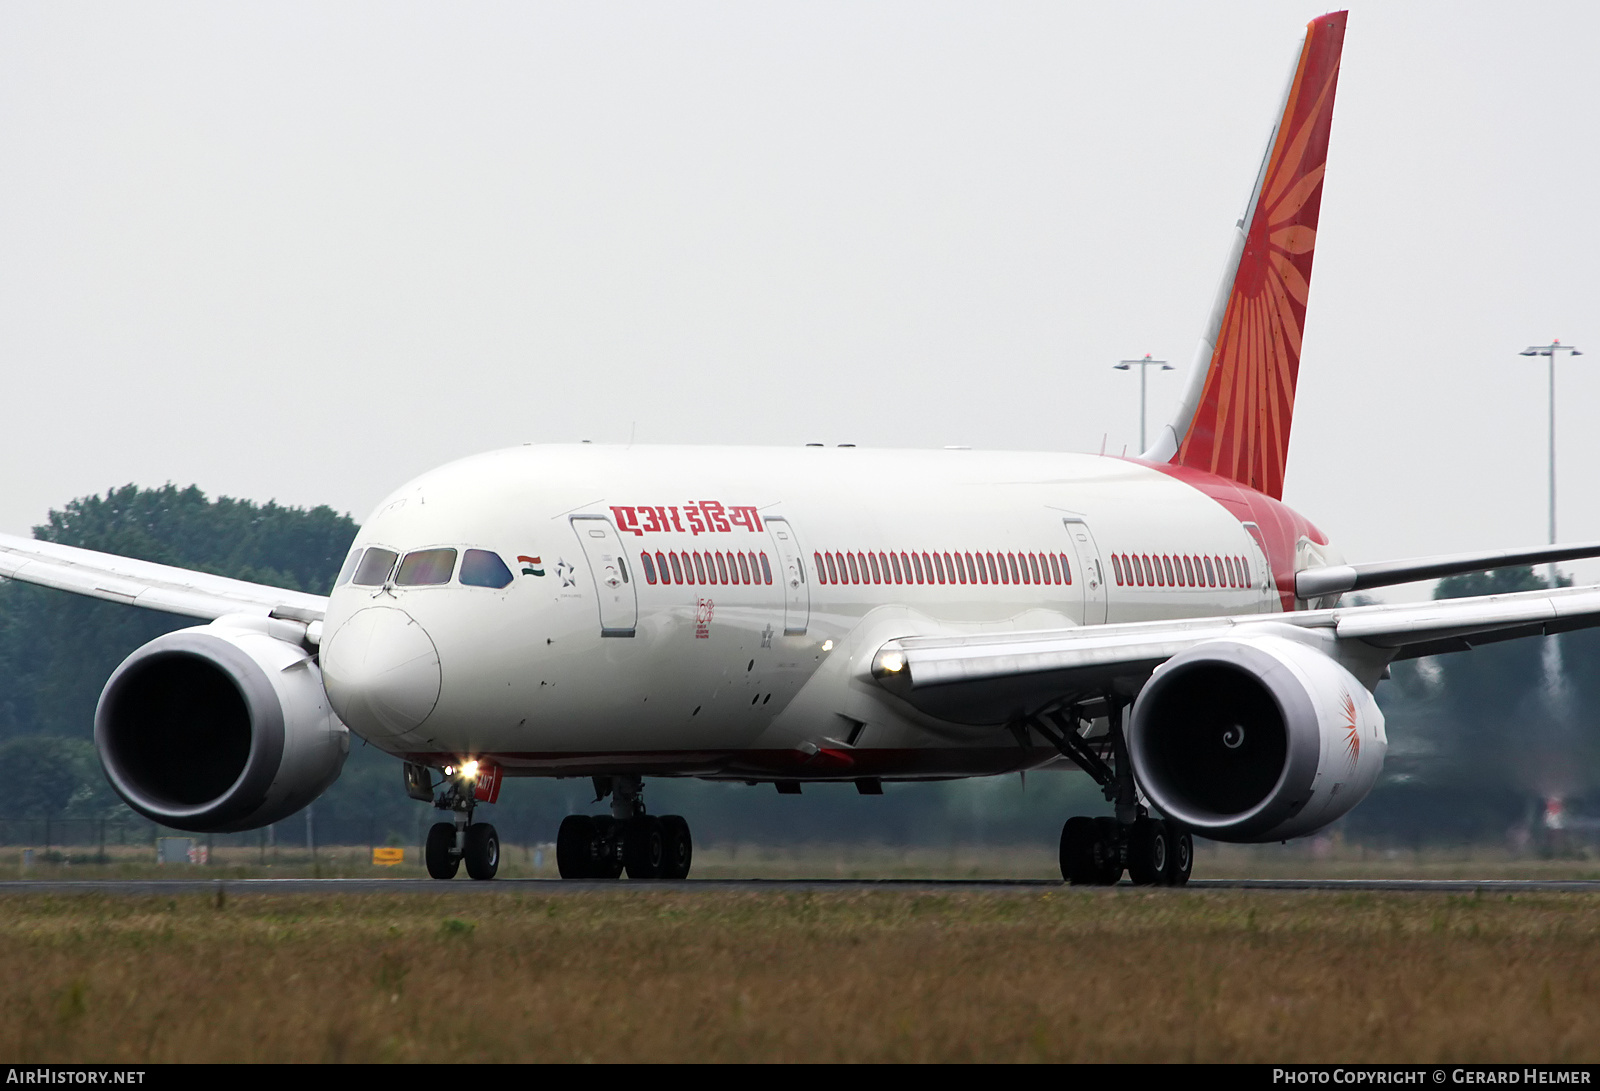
(1241, 425)
(1352, 734)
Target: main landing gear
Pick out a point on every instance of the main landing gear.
(1096, 851)
(450, 844)
(628, 839)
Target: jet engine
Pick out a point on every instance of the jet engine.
(219, 728)
(1255, 739)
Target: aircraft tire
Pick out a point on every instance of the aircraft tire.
(1107, 853)
(482, 853)
(1077, 851)
(607, 861)
(574, 847)
(1180, 858)
(1149, 852)
(643, 848)
(442, 862)
(677, 847)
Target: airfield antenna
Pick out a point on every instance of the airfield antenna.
(1550, 352)
(1144, 366)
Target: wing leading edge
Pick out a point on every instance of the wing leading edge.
(994, 678)
(154, 586)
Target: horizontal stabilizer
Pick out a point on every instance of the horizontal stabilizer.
(1314, 583)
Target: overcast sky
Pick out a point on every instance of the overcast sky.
(307, 251)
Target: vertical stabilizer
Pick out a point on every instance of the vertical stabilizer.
(1237, 407)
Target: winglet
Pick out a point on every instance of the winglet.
(1235, 413)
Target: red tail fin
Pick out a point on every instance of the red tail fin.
(1235, 416)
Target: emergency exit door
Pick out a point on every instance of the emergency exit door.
(613, 583)
(792, 570)
(1091, 573)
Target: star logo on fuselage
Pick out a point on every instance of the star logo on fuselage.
(566, 572)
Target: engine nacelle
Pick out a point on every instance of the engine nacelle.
(1257, 739)
(219, 728)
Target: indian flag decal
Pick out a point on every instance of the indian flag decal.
(531, 566)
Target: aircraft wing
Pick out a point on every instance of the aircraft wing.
(152, 586)
(990, 678)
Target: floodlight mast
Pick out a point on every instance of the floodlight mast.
(1144, 366)
(1550, 352)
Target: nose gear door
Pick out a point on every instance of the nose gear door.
(792, 570)
(1092, 572)
(613, 583)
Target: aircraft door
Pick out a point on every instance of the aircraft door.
(613, 583)
(1091, 571)
(792, 571)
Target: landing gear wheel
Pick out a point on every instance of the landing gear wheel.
(440, 851)
(677, 847)
(1180, 854)
(642, 847)
(607, 853)
(1149, 852)
(482, 851)
(1107, 853)
(575, 847)
(1077, 851)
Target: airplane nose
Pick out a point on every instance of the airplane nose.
(381, 672)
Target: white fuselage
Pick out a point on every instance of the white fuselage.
(620, 644)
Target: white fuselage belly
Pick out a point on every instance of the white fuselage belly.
(749, 679)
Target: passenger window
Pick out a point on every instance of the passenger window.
(677, 568)
(722, 568)
(374, 568)
(1166, 564)
(1055, 568)
(938, 568)
(348, 569)
(481, 568)
(822, 575)
(872, 562)
(916, 566)
(644, 561)
(744, 569)
(766, 569)
(622, 566)
(1211, 576)
(700, 567)
(850, 563)
(426, 568)
(1033, 567)
(1188, 571)
(1066, 570)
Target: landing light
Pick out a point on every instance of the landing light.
(449, 770)
(470, 770)
(892, 662)
(827, 645)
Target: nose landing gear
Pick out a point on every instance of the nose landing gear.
(450, 844)
(628, 839)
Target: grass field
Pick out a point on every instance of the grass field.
(1058, 974)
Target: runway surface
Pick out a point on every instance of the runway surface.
(943, 886)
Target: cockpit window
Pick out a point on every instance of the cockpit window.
(426, 568)
(349, 568)
(374, 568)
(480, 568)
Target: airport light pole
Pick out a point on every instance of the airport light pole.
(1550, 352)
(1144, 366)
